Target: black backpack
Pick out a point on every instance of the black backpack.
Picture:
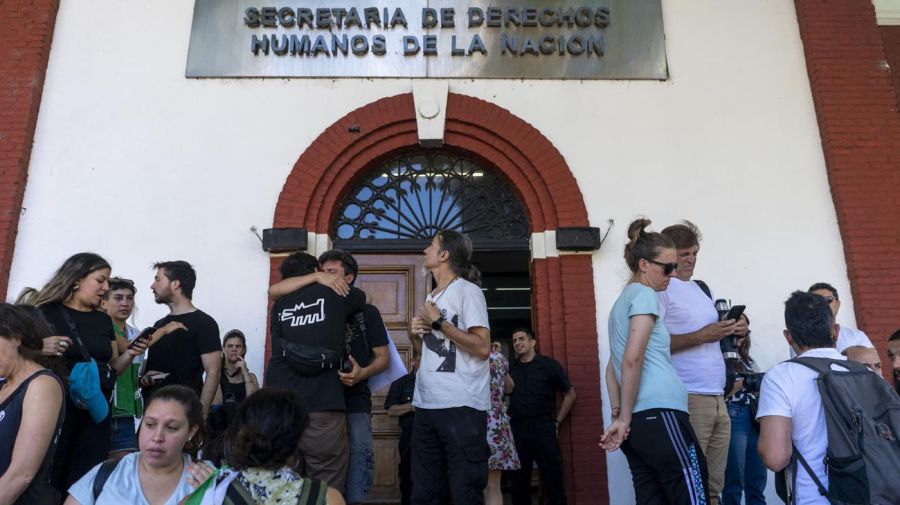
(862, 418)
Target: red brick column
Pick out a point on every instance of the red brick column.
(26, 31)
(563, 303)
(860, 128)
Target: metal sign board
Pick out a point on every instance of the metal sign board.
(554, 39)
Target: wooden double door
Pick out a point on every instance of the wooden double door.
(397, 285)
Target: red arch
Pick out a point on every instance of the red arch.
(563, 286)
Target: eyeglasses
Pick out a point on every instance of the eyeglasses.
(668, 268)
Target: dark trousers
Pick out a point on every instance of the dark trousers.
(449, 444)
(667, 465)
(536, 442)
(82, 445)
(405, 467)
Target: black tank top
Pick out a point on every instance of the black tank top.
(40, 490)
(233, 393)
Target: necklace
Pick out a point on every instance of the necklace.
(435, 298)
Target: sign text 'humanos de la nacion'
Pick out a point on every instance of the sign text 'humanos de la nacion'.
(555, 39)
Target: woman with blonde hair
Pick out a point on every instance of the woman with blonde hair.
(69, 301)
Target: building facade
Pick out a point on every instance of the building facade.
(775, 130)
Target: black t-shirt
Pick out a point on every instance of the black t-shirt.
(537, 382)
(401, 393)
(315, 316)
(95, 329)
(358, 396)
(178, 353)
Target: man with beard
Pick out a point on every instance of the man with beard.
(191, 347)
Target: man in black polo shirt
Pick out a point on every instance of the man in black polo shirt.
(534, 419)
(313, 317)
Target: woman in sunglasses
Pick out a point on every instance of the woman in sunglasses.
(649, 402)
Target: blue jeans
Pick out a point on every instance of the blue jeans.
(745, 473)
(124, 437)
(361, 470)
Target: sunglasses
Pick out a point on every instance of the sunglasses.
(668, 268)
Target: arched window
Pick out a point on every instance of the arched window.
(400, 205)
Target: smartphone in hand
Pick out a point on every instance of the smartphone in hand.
(144, 337)
(735, 312)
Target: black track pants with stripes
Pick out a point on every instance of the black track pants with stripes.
(667, 465)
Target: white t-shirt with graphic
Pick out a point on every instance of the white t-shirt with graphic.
(685, 308)
(448, 376)
(789, 390)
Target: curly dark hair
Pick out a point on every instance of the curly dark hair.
(266, 430)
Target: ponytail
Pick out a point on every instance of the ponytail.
(643, 244)
(459, 249)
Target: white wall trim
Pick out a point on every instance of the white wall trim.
(887, 12)
(543, 245)
(430, 100)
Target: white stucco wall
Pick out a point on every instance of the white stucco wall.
(135, 162)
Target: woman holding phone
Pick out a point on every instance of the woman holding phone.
(69, 301)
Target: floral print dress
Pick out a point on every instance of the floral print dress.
(499, 435)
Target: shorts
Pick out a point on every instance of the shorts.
(122, 435)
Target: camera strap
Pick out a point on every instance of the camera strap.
(704, 288)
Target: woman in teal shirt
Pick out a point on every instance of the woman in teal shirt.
(650, 411)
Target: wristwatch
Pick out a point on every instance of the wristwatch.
(436, 325)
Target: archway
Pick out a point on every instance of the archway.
(562, 284)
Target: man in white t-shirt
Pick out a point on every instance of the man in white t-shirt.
(689, 313)
(452, 394)
(790, 408)
(848, 337)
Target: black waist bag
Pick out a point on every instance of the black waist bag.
(309, 360)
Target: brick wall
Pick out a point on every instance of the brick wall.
(856, 108)
(26, 31)
(890, 37)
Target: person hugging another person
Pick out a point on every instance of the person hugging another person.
(648, 399)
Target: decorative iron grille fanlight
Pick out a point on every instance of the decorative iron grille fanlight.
(414, 195)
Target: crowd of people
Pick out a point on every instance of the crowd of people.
(95, 410)
(697, 420)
